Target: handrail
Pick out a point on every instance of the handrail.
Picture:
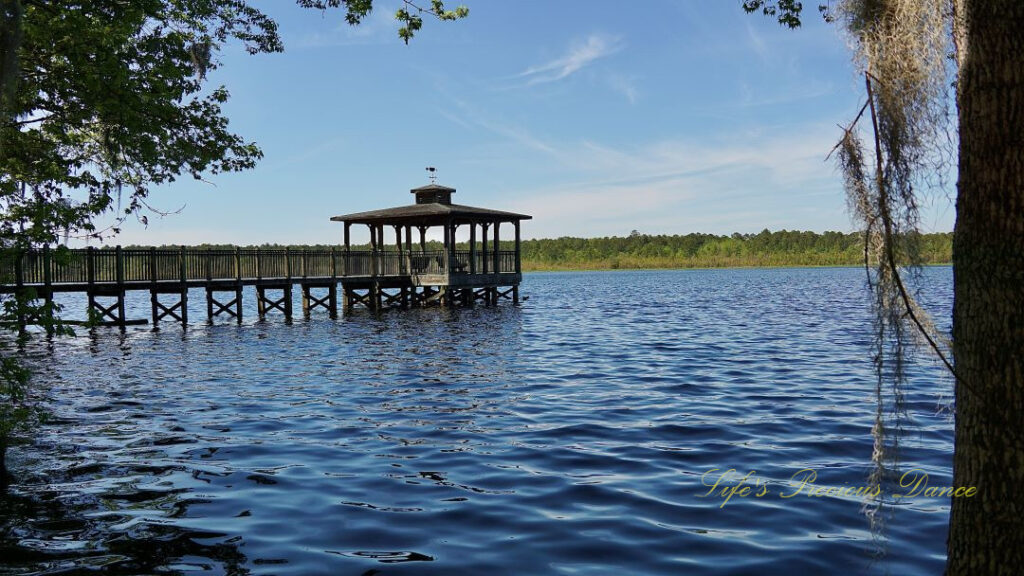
(46, 267)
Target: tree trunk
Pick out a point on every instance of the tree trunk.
(11, 14)
(985, 533)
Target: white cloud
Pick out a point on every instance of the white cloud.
(378, 27)
(471, 117)
(769, 175)
(774, 179)
(579, 55)
(623, 85)
(757, 44)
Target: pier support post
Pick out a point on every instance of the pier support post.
(184, 306)
(153, 303)
(232, 308)
(265, 304)
(108, 313)
(48, 284)
(178, 311)
(119, 271)
(328, 302)
(375, 297)
(19, 274)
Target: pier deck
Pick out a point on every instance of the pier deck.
(366, 277)
(387, 275)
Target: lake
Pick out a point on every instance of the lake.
(579, 433)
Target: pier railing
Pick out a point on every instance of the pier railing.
(46, 267)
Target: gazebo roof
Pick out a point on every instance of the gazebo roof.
(431, 214)
(432, 187)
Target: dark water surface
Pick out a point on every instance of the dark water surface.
(571, 435)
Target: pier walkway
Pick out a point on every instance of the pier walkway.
(375, 279)
(398, 274)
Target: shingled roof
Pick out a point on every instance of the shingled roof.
(433, 207)
(433, 214)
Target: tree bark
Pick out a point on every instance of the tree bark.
(11, 14)
(985, 535)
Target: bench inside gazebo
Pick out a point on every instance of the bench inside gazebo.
(404, 272)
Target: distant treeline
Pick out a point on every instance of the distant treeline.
(640, 251)
(766, 248)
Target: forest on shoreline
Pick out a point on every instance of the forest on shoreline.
(644, 251)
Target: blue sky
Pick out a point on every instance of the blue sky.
(667, 117)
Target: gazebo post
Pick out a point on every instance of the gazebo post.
(408, 252)
(519, 264)
(454, 259)
(483, 248)
(346, 302)
(373, 249)
(403, 268)
(497, 260)
(398, 244)
(374, 295)
(447, 246)
(472, 247)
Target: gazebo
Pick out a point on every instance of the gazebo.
(406, 273)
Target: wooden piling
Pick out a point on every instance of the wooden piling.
(119, 256)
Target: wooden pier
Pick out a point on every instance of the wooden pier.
(400, 275)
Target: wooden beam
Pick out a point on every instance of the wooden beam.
(402, 268)
(381, 247)
(447, 247)
(90, 266)
(472, 247)
(497, 259)
(46, 267)
(452, 260)
(373, 249)
(519, 260)
(483, 251)
(183, 269)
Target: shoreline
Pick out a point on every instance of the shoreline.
(711, 267)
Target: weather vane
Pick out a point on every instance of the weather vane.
(433, 174)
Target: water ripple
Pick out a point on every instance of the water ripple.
(576, 434)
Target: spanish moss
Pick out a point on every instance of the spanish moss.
(901, 47)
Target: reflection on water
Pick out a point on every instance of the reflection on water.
(570, 435)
